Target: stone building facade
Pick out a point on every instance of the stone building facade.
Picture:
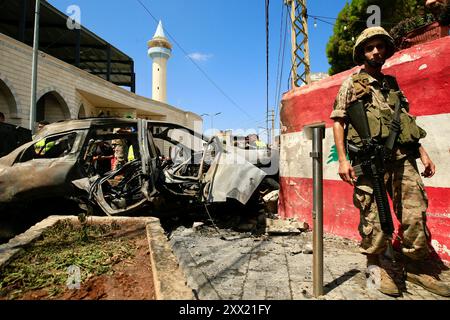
(67, 92)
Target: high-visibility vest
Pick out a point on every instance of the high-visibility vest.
(131, 153)
(42, 148)
(260, 144)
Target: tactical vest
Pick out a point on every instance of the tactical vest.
(380, 115)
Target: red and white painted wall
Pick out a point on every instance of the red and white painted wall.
(423, 73)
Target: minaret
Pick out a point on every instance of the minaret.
(159, 49)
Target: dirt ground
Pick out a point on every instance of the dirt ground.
(128, 279)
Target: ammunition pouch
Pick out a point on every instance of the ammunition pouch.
(380, 118)
(376, 120)
(410, 132)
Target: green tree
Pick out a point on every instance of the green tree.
(352, 20)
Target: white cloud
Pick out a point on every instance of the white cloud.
(197, 56)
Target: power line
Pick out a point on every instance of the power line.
(315, 18)
(65, 33)
(254, 122)
(197, 66)
(267, 64)
(319, 18)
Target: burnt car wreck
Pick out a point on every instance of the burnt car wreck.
(119, 166)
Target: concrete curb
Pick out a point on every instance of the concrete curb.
(169, 280)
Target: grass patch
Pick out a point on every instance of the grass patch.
(44, 263)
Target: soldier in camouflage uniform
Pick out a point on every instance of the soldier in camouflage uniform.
(379, 93)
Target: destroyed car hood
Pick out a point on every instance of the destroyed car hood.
(231, 176)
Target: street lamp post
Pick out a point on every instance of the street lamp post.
(212, 116)
(34, 66)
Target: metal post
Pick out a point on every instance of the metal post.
(211, 117)
(77, 46)
(34, 66)
(316, 154)
(133, 78)
(272, 138)
(133, 82)
(294, 75)
(306, 61)
(108, 63)
(300, 72)
(23, 20)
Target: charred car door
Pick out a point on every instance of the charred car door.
(229, 175)
(205, 170)
(131, 186)
(41, 168)
(150, 160)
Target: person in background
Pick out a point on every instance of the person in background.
(42, 124)
(121, 148)
(103, 155)
(41, 147)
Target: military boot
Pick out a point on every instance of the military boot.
(423, 274)
(380, 277)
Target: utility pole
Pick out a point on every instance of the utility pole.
(271, 132)
(34, 66)
(272, 140)
(301, 71)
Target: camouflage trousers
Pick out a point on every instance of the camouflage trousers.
(406, 190)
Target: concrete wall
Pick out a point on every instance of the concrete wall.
(67, 88)
(423, 73)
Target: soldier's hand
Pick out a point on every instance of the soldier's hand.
(430, 168)
(346, 172)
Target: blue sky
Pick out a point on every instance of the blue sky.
(226, 39)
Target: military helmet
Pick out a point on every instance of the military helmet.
(366, 35)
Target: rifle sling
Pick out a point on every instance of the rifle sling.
(394, 129)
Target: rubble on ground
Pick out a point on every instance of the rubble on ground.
(288, 226)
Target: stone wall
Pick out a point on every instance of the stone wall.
(67, 88)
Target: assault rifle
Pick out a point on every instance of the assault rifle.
(371, 158)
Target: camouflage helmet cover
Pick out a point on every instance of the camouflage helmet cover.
(366, 35)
